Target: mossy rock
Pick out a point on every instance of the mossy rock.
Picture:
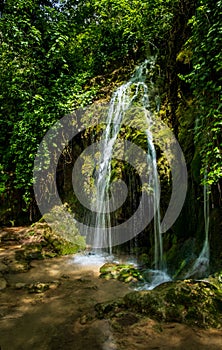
(59, 234)
(195, 303)
(61, 246)
(121, 272)
(31, 251)
(192, 302)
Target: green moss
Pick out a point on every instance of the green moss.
(121, 272)
(60, 245)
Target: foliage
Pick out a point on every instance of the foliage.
(39, 81)
(111, 31)
(205, 80)
(52, 51)
(49, 51)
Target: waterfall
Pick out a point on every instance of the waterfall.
(204, 257)
(134, 91)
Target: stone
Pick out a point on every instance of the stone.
(3, 267)
(3, 283)
(20, 285)
(18, 266)
(38, 287)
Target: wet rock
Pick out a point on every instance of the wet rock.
(84, 280)
(93, 287)
(62, 237)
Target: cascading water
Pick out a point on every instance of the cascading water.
(135, 90)
(201, 266)
(158, 244)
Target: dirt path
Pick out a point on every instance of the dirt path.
(63, 316)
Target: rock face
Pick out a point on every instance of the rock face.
(191, 302)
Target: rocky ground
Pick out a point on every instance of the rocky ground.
(49, 304)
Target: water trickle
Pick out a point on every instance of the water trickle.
(200, 267)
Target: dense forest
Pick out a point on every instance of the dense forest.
(60, 56)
